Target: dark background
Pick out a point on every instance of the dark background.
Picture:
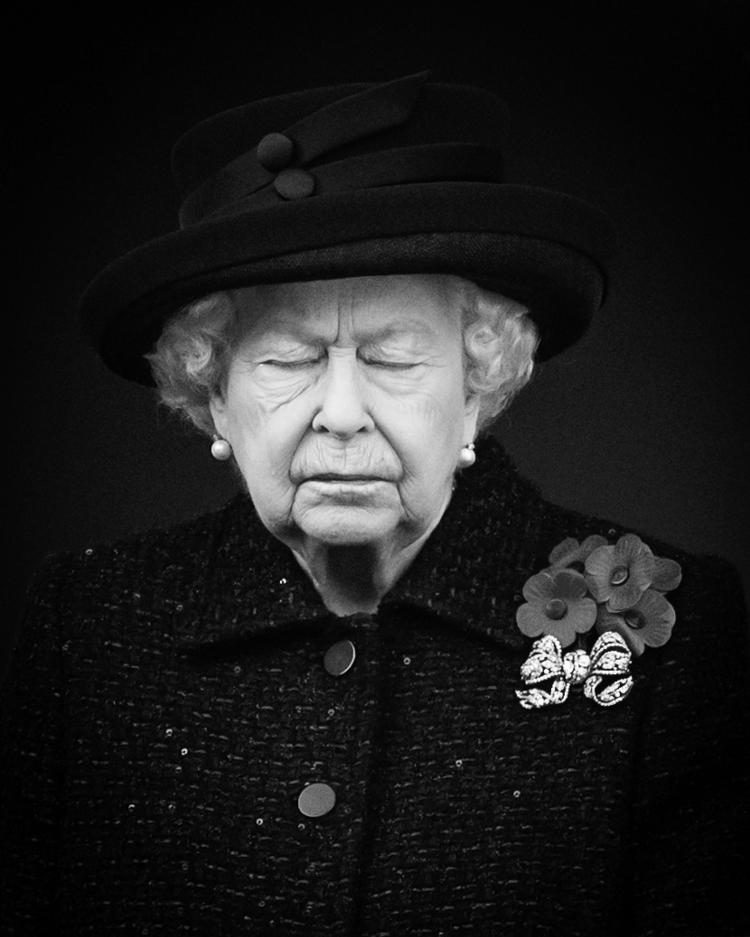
(640, 109)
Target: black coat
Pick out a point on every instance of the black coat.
(169, 703)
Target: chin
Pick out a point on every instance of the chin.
(348, 527)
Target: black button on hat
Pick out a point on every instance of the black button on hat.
(294, 183)
(275, 151)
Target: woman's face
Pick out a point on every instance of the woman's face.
(344, 406)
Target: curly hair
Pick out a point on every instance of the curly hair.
(191, 358)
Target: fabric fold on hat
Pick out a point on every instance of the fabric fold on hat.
(390, 167)
(351, 118)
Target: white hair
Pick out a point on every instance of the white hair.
(191, 358)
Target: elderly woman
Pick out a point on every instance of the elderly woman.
(387, 689)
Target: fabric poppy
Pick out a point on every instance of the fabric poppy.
(648, 623)
(620, 574)
(570, 551)
(556, 603)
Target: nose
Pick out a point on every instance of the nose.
(343, 409)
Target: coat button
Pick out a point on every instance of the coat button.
(275, 151)
(339, 658)
(316, 800)
(292, 184)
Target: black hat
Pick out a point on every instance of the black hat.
(354, 180)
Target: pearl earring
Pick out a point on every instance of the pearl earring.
(220, 449)
(467, 457)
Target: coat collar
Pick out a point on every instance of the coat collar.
(470, 572)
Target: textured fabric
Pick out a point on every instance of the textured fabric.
(168, 703)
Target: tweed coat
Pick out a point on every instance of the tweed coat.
(168, 703)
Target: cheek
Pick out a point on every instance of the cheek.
(426, 431)
(436, 410)
(431, 417)
(247, 431)
(264, 438)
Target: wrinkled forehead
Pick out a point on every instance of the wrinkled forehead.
(427, 307)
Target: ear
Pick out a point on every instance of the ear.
(471, 417)
(218, 407)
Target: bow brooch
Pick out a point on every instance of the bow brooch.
(608, 663)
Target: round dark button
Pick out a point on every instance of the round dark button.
(339, 658)
(316, 800)
(294, 183)
(275, 151)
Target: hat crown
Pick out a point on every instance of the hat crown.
(438, 113)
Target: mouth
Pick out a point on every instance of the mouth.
(331, 488)
(345, 479)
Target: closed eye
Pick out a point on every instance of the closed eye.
(390, 364)
(291, 364)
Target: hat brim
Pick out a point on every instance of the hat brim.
(543, 248)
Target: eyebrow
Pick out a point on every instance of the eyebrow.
(407, 327)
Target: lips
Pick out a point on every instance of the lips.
(332, 477)
(320, 460)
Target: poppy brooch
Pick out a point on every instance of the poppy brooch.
(614, 590)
